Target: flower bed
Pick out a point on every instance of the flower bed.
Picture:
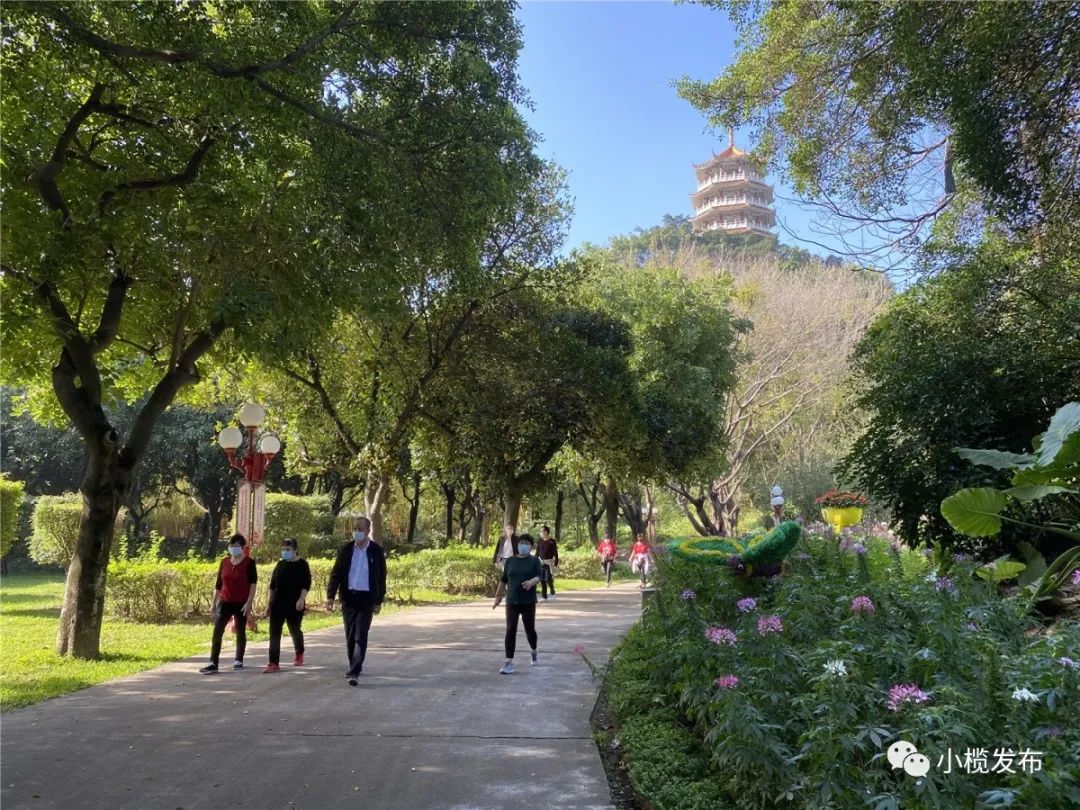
(796, 686)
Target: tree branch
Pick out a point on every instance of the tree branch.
(187, 176)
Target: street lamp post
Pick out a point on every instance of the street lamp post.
(251, 491)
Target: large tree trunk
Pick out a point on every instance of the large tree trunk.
(630, 504)
(414, 508)
(479, 520)
(376, 494)
(103, 490)
(592, 514)
(611, 509)
(448, 493)
(559, 514)
(512, 504)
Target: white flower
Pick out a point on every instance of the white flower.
(837, 668)
(1025, 694)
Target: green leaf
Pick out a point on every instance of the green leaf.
(998, 459)
(1000, 570)
(1065, 423)
(975, 511)
(1036, 564)
(1033, 493)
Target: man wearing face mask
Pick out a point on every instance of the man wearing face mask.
(521, 573)
(360, 572)
(234, 593)
(289, 586)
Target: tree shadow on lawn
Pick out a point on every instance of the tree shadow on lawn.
(37, 613)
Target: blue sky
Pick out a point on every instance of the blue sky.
(599, 75)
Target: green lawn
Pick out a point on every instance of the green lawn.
(31, 671)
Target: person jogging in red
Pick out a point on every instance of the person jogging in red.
(607, 551)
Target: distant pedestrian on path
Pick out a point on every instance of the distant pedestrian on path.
(504, 548)
(547, 550)
(289, 586)
(641, 559)
(360, 572)
(521, 575)
(234, 593)
(607, 551)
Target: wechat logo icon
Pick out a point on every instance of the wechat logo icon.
(903, 754)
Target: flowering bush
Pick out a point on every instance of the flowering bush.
(796, 700)
(835, 499)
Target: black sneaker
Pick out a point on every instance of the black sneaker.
(209, 669)
(353, 681)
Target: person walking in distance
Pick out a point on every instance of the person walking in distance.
(504, 548)
(521, 575)
(234, 593)
(547, 550)
(641, 559)
(607, 551)
(360, 571)
(289, 586)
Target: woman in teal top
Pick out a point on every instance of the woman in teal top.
(520, 575)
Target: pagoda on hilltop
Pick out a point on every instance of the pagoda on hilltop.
(731, 196)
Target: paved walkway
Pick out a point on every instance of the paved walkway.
(432, 724)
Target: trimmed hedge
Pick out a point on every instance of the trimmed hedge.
(303, 517)
(55, 528)
(160, 590)
(11, 498)
(667, 765)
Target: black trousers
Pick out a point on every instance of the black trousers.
(293, 620)
(528, 618)
(227, 611)
(547, 578)
(608, 566)
(357, 609)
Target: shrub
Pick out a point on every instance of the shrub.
(11, 499)
(808, 721)
(56, 528)
(303, 517)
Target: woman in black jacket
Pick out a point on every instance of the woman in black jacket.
(289, 586)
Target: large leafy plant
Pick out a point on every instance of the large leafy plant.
(1051, 471)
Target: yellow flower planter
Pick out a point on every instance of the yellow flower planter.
(840, 517)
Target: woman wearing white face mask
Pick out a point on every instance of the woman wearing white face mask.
(289, 586)
(234, 593)
(521, 573)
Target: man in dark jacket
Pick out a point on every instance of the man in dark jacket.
(360, 572)
(548, 552)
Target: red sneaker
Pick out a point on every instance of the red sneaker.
(299, 660)
(272, 668)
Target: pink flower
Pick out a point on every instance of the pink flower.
(972, 627)
(579, 649)
(746, 605)
(726, 682)
(902, 693)
(1068, 663)
(769, 624)
(859, 549)
(721, 635)
(862, 604)
(1076, 577)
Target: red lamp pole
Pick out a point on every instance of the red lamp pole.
(251, 491)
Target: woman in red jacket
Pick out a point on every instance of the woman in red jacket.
(607, 551)
(641, 559)
(234, 593)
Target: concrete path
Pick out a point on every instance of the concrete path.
(432, 724)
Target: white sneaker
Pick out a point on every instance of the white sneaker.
(237, 664)
(507, 668)
(553, 597)
(534, 660)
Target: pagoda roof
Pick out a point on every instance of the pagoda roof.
(731, 152)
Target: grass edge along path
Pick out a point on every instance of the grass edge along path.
(31, 671)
